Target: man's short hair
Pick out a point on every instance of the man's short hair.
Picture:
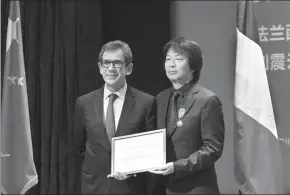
(115, 45)
(190, 49)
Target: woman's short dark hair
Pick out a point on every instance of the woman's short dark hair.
(190, 49)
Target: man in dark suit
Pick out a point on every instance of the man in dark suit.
(116, 109)
(193, 118)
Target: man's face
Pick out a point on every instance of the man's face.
(113, 68)
(177, 66)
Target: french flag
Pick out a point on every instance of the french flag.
(257, 158)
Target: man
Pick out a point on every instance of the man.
(114, 110)
(193, 117)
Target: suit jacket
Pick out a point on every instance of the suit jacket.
(196, 145)
(138, 115)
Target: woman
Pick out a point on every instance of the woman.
(193, 118)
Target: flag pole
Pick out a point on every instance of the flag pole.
(0, 99)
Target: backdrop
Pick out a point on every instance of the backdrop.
(274, 30)
(62, 40)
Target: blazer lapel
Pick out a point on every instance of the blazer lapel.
(99, 109)
(128, 106)
(190, 99)
(164, 102)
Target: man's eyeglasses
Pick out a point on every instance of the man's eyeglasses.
(116, 63)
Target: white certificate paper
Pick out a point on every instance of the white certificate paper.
(138, 152)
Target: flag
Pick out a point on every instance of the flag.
(257, 154)
(18, 173)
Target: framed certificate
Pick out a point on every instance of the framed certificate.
(138, 152)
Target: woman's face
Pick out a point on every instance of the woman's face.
(177, 66)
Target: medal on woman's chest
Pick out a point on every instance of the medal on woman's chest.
(181, 113)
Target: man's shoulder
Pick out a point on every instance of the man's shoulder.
(163, 93)
(89, 96)
(207, 96)
(140, 94)
(206, 93)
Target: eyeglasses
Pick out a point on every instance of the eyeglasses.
(116, 63)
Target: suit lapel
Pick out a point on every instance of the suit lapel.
(190, 99)
(99, 109)
(164, 102)
(128, 106)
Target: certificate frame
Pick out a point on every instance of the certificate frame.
(133, 141)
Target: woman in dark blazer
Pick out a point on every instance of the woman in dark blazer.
(193, 118)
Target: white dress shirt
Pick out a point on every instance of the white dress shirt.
(118, 103)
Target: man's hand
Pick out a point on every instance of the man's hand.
(121, 176)
(164, 170)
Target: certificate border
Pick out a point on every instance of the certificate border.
(114, 139)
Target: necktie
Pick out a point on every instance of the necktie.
(110, 117)
(171, 119)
